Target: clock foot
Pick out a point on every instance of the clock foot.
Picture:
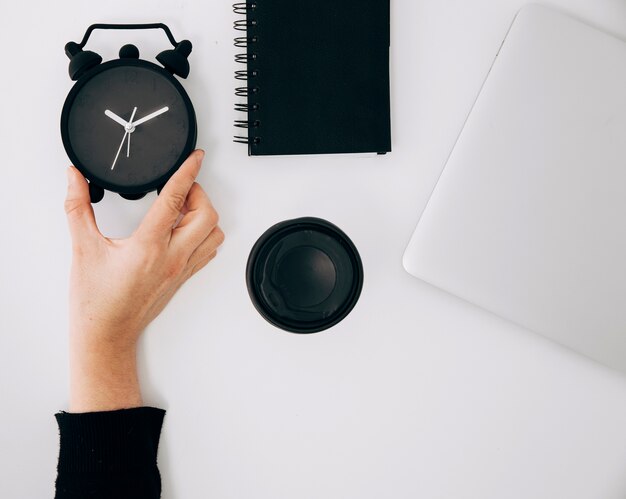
(133, 197)
(96, 193)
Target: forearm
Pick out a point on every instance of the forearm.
(103, 375)
(108, 441)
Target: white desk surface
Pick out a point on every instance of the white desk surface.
(415, 394)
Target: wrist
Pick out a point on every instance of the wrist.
(103, 375)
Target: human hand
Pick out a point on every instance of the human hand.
(118, 286)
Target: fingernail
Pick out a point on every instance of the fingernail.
(200, 154)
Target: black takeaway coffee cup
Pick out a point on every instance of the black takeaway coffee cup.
(304, 275)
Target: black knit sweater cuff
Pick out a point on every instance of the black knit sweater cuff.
(109, 441)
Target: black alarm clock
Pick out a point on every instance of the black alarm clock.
(128, 124)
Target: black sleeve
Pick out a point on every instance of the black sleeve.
(106, 455)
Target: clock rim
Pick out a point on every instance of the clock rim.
(154, 184)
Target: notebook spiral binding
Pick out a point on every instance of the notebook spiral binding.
(247, 24)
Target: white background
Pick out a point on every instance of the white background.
(415, 395)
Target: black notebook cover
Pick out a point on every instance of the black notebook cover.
(316, 77)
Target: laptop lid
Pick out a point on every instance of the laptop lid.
(528, 217)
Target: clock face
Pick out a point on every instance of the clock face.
(128, 125)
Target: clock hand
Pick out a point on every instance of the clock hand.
(116, 118)
(124, 138)
(130, 128)
(151, 115)
(118, 150)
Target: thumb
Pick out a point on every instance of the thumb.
(80, 216)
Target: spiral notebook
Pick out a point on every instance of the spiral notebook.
(316, 77)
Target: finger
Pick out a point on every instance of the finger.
(163, 214)
(198, 222)
(203, 263)
(160, 304)
(213, 241)
(182, 213)
(80, 216)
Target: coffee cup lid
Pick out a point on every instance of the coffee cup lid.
(304, 275)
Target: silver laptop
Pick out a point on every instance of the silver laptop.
(528, 219)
